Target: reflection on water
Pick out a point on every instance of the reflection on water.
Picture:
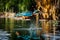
(9, 24)
(29, 28)
(2, 23)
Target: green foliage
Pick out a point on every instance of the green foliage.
(19, 5)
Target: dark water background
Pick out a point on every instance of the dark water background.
(12, 26)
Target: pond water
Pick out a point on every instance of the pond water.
(28, 30)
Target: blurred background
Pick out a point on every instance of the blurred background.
(30, 19)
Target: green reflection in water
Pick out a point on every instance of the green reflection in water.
(6, 24)
(11, 24)
(2, 23)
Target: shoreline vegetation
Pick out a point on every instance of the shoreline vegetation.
(11, 15)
